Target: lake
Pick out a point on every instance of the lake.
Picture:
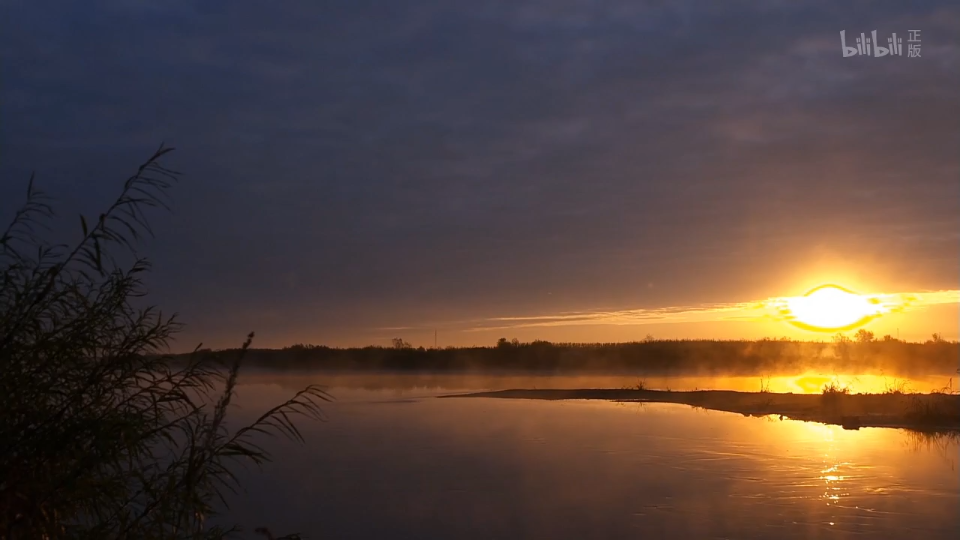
(393, 461)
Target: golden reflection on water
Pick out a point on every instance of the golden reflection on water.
(470, 468)
(831, 475)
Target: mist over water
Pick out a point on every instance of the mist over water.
(400, 383)
(392, 461)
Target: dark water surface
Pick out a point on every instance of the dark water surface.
(392, 461)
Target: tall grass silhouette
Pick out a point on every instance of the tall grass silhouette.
(102, 434)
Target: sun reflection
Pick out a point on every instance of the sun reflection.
(831, 478)
(832, 473)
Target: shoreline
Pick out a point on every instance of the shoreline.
(918, 412)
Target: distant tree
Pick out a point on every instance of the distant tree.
(399, 343)
(937, 338)
(863, 336)
(502, 343)
(888, 338)
(842, 346)
(515, 342)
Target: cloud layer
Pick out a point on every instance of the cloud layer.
(353, 165)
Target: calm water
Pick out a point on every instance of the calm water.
(392, 461)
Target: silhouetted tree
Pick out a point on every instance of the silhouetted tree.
(842, 345)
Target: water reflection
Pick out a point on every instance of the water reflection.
(419, 467)
(946, 445)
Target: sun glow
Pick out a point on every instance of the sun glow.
(831, 308)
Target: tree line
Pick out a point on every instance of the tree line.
(861, 353)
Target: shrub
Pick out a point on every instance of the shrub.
(101, 435)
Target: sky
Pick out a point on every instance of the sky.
(355, 171)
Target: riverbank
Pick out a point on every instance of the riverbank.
(924, 412)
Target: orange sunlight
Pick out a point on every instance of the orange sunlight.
(834, 308)
(830, 308)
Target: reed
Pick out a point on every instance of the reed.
(102, 434)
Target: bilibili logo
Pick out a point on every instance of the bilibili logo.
(869, 45)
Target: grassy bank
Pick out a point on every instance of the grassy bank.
(927, 412)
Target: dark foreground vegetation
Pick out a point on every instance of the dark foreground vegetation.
(102, 435)
(654, 357)
(936, 411)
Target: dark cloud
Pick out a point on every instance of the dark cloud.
(360, 164)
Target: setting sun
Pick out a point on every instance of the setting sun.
(830, 308)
